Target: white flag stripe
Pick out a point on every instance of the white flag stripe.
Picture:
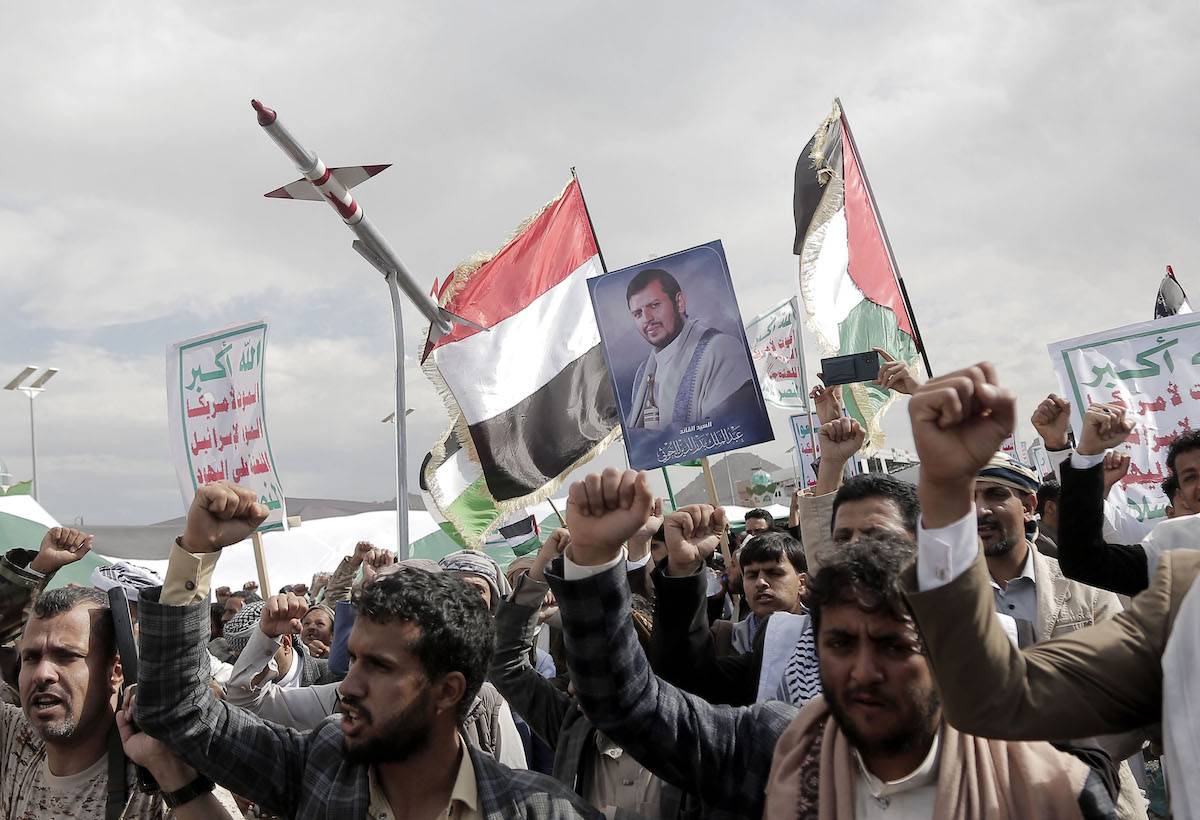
(829, 292)
(458, 473)
(555, 330)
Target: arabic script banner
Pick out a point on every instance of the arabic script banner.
(775, 351)
(1153, 370)
(805, 440)
(216, 415)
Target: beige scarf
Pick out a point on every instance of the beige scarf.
(813, 775)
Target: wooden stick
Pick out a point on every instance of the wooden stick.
(708, 480)
(561, 521)
(264, 581)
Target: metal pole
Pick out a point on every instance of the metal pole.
(401, 426)
(729, 478)
(33, 446)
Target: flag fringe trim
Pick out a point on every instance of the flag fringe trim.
(458, 280)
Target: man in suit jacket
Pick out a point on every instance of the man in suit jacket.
(1124, 673)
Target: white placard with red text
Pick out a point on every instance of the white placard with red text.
(216, 411)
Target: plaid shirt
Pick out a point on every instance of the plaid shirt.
(721, 753)
(288, 772)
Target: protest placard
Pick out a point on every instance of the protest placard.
(1151, 369)
(216, 415)
(802, 434)
(775, 350)
(680, 364)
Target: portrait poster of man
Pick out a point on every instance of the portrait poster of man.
(680, 362)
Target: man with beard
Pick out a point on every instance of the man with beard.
(419, 651)
(878, 748)
(1028, 585)
(60, 747)
(692, 368)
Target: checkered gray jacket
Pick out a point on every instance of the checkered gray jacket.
(721, 753)
(288, 772)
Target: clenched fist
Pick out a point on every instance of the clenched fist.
(603, 511)
(221, 514)
(1104, 427)
(959, 422)
(281, 615)
(693, 533)
(1052, 418)
(60, 546)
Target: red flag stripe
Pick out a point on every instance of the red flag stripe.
(870, 266)
(545, 254)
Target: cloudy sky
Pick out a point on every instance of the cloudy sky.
(1036, 165)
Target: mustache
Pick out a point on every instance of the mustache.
(355, 704)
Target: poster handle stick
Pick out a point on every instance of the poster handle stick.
(260, 563)
(708, 482)
(562, 522)
(670, 490)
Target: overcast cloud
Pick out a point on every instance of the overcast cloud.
(1035, 163)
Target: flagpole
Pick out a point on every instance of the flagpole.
(670, 492)
(886, 241)
(591, 226)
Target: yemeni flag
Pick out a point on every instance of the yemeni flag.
(851, 289)
(1171, 298)
(531, 397)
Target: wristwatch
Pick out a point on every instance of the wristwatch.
(201, 785)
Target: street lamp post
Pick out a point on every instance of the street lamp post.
(32, 390)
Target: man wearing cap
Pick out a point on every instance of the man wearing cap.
(1028, 585)
(481, 571)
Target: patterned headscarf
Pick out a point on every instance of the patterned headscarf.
(1005, 470)
(132, 579)
(473, 562)
(238, 629)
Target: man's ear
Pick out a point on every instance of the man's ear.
(803, 576)
(681, 303)
(449, 692)
(1029, 502)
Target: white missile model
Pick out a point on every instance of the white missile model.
(333, 185)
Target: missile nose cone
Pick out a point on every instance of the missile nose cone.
(265, 115)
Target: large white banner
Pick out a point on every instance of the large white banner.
(216, 415)
(1153, 370)
(775, 351)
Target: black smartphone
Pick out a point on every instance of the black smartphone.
(128, 653)
(857, 367)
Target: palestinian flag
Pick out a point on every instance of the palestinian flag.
(1171, 298)
(851, 289)
(531, 397)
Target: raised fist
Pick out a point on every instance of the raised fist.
(603, 511)
(1104, 427)
(959, 422)
(551, 549)
(281, 615)
(1116, 467)
(1052, 419)
(221, 514)
(693, 533)
(60, 546)
(840, 439)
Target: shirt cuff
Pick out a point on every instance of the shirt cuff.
(632, 564)
(1081, 462)
(189, 577)
(947, 552)
(577, 572)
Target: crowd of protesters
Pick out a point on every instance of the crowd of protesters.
(989, 643)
